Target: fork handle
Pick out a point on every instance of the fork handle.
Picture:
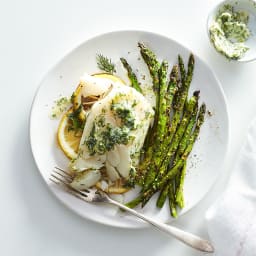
(185, 237)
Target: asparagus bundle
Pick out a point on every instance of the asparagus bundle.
(170, 140)
(172, 172)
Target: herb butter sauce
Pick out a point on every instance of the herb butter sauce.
(229, 32)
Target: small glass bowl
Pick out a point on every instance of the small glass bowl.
(242, 5)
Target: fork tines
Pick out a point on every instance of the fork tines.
(63, 174)
(63, 178)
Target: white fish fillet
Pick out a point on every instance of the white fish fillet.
(118, 161)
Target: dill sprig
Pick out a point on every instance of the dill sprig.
(105, 64)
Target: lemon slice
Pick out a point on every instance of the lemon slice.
(116, 188)
(68, 140)
(110, 77)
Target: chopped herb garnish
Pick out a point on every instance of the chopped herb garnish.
(124, 114)
(104, 140)
(60, 106)
(91, 141)
(76, 123)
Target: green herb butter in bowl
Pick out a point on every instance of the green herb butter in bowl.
(232, 29)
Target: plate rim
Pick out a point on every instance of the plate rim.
(94, 37)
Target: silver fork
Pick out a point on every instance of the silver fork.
(63, 178)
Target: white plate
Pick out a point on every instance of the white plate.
(206, 158)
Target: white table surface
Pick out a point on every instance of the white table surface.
(34, 36)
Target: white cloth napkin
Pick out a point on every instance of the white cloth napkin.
(232, 219)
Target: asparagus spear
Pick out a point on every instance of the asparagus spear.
(153, 65)
(172, 204)
(162, 196)
(179, 198)
(132, 76)
(161, 125)
(191, 64)
(182, 69)
(173, 80)
(183, 92)
(168, 190)
(185, 138)
(179, 180)
(171, 90)
(135, 201)
(199, 122)
(162, 120)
